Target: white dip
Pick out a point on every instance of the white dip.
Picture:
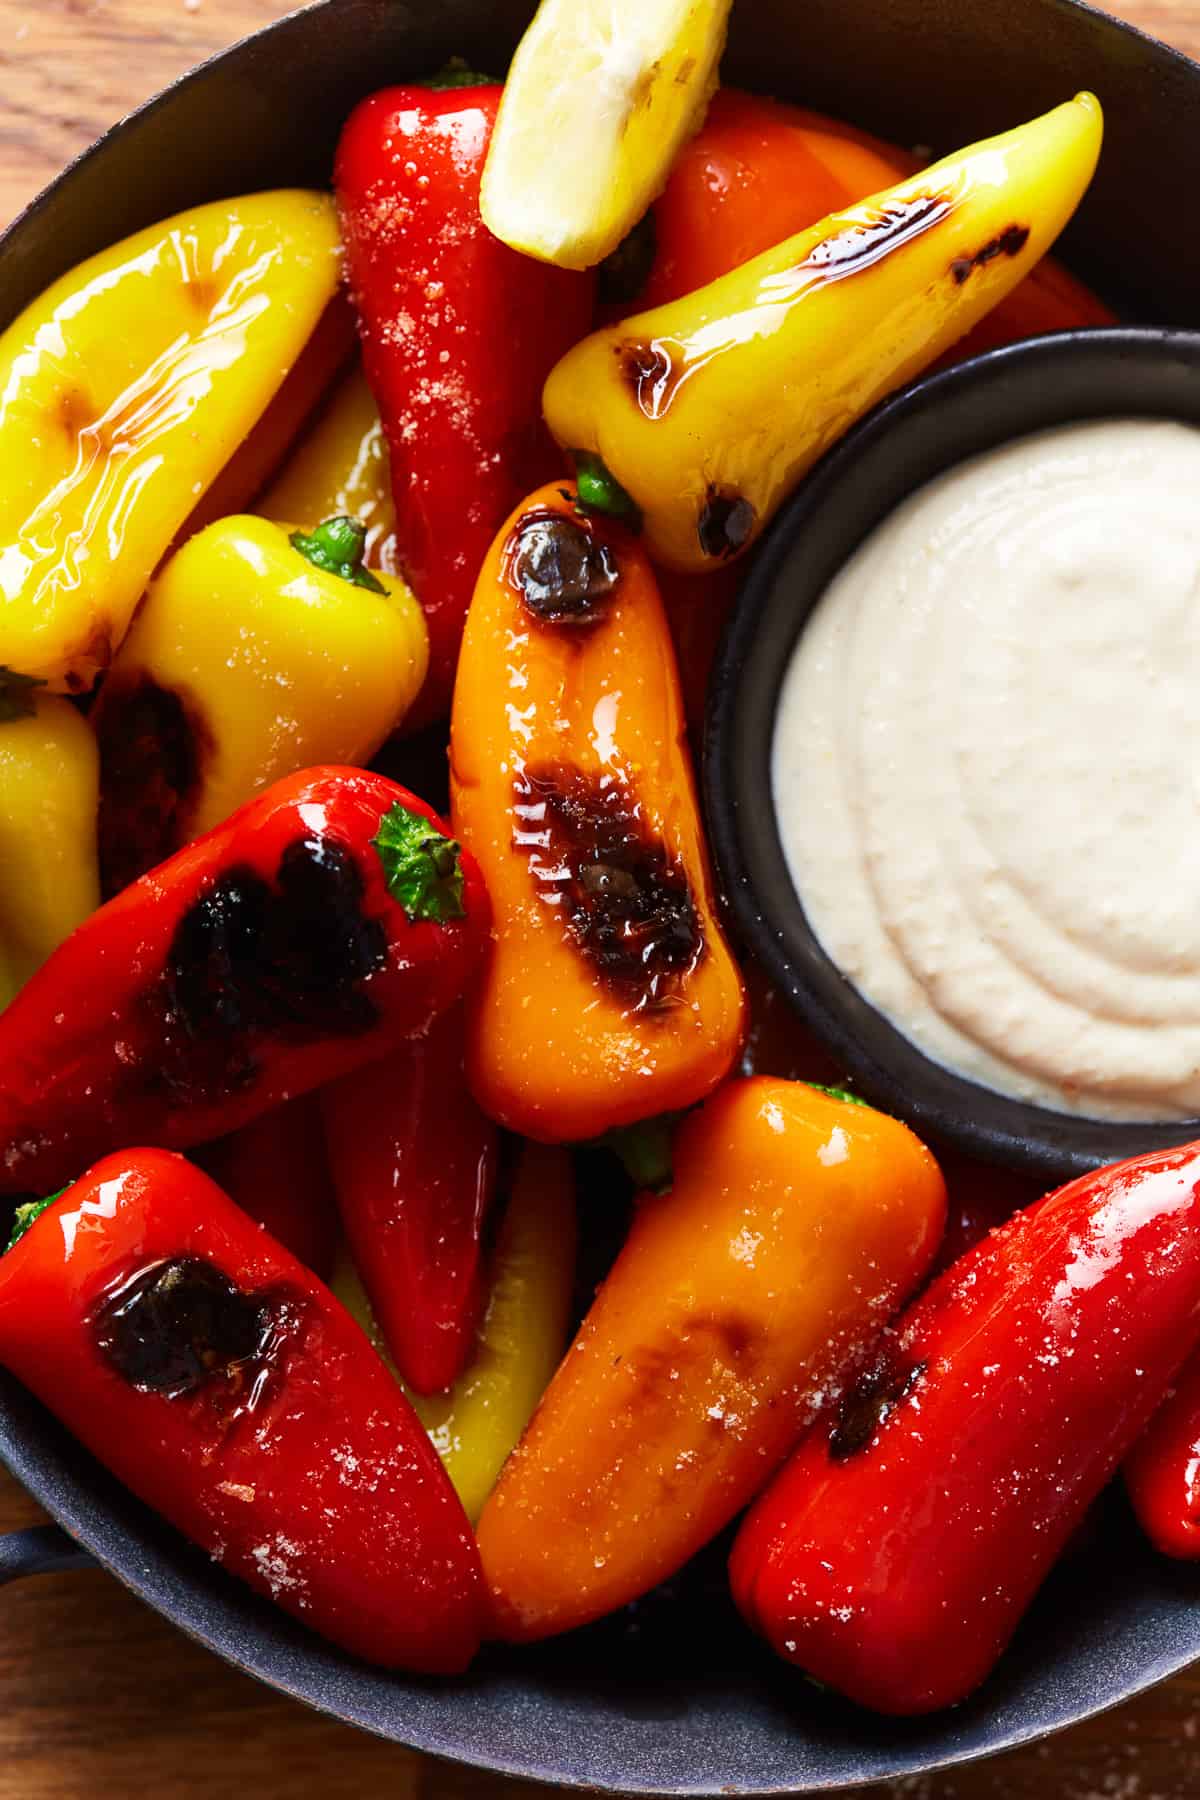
(986, 769)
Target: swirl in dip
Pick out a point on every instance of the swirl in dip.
(986, 769)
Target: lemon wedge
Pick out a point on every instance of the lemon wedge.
(600, 96)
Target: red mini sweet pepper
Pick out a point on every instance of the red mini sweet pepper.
(414, 1170)
(458, 332)
(276, 1170)
(1162, 1471)
(894, 1555)
(321, 925)
(228, 1389)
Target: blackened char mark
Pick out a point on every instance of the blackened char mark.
(725, 523)
(864, 1407)
(177, 1326)
(625, 902)
(154, 748)
(250, 960)
(211, 975)
(1009, 242)
(563, 571)
(651, 373)
(317, 946)
(859, 247)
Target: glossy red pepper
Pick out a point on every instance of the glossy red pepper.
(896, 1552)
(459, 333)
(228, 1389)
(1162, 1471)
(277, 1171)
(321, 925)
(414, 1169)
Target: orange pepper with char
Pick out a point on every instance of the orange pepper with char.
(796, 1224)
(609, 994)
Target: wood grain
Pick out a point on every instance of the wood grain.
(99, 1699)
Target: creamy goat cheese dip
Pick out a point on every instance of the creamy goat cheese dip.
(986, 769)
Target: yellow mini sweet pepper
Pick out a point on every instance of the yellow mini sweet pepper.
(256, 653)
(706, 412)
(475, 1424)
(341, 466)
(123, 391)
(48, 795)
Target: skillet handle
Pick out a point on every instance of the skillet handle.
(39, 1550)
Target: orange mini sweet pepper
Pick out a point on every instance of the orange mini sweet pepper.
(797, 1223)
(610, 994)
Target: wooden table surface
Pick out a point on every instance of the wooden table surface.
(99, 1699)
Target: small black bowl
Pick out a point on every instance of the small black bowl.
(905, 442)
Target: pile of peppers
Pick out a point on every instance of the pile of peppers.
(301, 1043)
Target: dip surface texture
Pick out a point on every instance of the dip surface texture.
(986, 769)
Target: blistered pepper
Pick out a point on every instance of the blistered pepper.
(323, 924)
(1162, 1471)
(757, 172)
(609, 993)
(414, 1169)
(125, 389)
(256, 653)
(476, 1422)
(796, 1224)
(225, 1386)
(458, 332)
(705, 413)
(340, 467)
(894, 1555)
(49, 779)
(276, 1170)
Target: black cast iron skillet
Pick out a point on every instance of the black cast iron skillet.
(674, 1698)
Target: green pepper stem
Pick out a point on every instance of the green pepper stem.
(338, 546)
(645, 1151)
(601, 492)
(27, 1214)
(423, 869)
(837, 1093)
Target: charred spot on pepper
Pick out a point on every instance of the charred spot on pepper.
(859, 247)
(1009, 242)
(725, 523)
(154, 750)
(250, 959)
(564, 572)
(624, 900)
(287, 960)
(181, 1325)
(651, 374)
(867, 1404)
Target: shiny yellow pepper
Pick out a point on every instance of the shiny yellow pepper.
(48, 794)
(256, 653)
(124, 390)
(706, 412)
(475, 1424)
(341, 466)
